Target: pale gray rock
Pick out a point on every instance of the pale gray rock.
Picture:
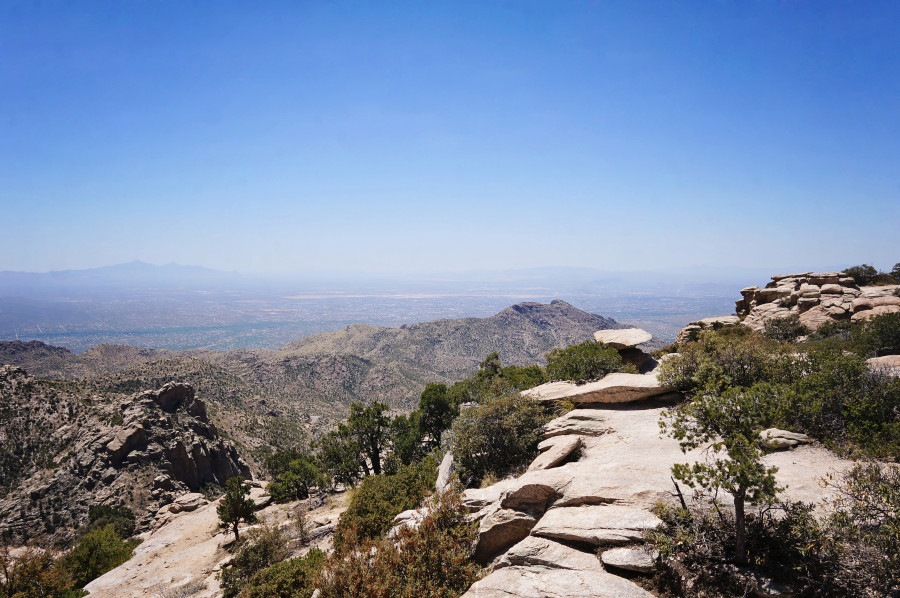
(188, 502)
(613, 388)
(445, 472)
(631, 559)
(544, 552)
(558, 453)
(623, 339)
(500, 529)
(586, 422)
(545, 582)
(600, 525)
(781, 440)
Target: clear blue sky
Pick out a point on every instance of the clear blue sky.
(424, 136)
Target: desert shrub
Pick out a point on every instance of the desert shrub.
(100, 550)
(882, 335)
(583, 362)
(121, 518)
(867, 522)
(294, 578)
(789, 328)
(837, 329)
(719, 359)
(496, 438)
(380, 498)
(784, 542)
(862, 275)
(294, 479)
(260, 548)
(34, 573)
(432, 561)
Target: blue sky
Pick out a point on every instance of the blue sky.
(431, 136)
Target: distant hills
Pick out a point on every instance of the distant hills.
(269, 397)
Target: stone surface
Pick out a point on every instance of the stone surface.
(613, 388)
(445, 472)
(500, 529)
(188, 502)
(780, 440)
(600, 525)
(544, 552)
(623, 339)
(641, 560)
(558, 453)
(587, 422)
(546, 582)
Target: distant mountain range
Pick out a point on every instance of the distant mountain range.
(268, 397)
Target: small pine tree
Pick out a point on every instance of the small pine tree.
(237, 507)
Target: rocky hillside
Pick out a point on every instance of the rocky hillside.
(65, 447)
(267, 397)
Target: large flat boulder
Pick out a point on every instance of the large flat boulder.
(600, 525)
(623, 339)
(557, 453)
(548, 553)
(546, 582)
(613, 388)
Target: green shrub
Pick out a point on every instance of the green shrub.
(719, 359)
(121, 518)
(380, 498)
(432, 561)
(882, 335)
(260, 548)
(34, 573)
(789, 328)
(496, 438)
(295, 479)
(867, 522)
(294, 578)
(785, 543)
(100, 550)
(862, 275)
(583, 362)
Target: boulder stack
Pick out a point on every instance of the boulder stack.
(817, 298)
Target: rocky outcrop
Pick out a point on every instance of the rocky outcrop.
(689, 333)
(141, 451)
(817, 298)
(541, 531)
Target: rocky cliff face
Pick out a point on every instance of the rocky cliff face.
(817, 298)
(63, 449)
